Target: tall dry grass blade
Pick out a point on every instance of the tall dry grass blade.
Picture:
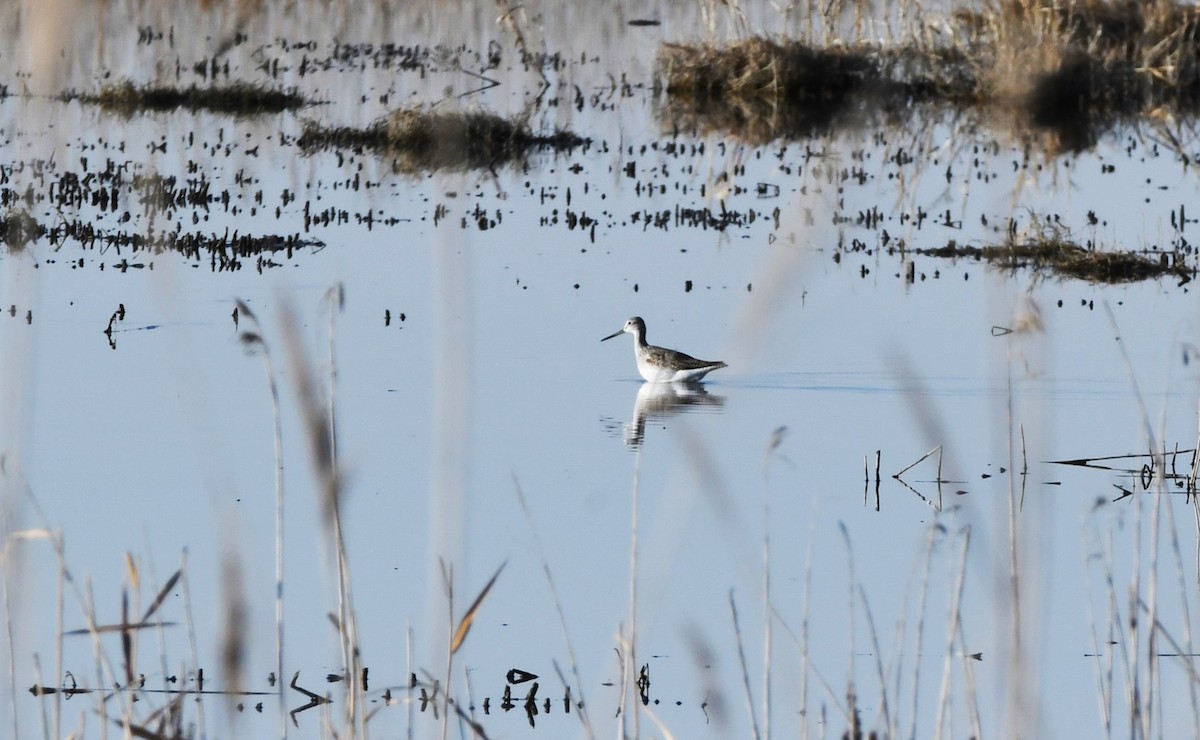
(411, 681)
(934, 530)
(336, 296)
(663, 730)
(464, 626)
(623, 666)
(86, 602)
(705, 662)
(851, 581)
(234, 613)
(1180, 651)
(955, 613)
(1115, 620)
(919, 460)
(1176, 550)
(448, 584)
(801, 644)
(1020, 697)
(163, 593)
(126, 638)
(562, 619)
(883, 700)
(773, 443)
(193, 651)
(1103, 679)
(254, 341)
(737, 633)
(321, 454)
(631, 649)
(1143, 699)
(1153, 693)
(971, 695)
(59, 608)
(804, 656)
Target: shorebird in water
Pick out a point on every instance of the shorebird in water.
(660, 365)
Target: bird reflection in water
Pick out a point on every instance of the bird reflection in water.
(658, 402)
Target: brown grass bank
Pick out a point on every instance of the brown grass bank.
(1071, 68)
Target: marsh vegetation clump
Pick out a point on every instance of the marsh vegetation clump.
(240, 98)
(423, 140)
(1072, 68)
(760, 89)
(1055, 255)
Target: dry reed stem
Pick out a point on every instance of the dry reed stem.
(317, 428)
(955, 613)
(562, 619)
(921, 611)
(86, 602)
(464, 625)
(630, 666)
(254, 340)
(773, 443)
(804, 654)
(1176, 550)
(234, 615)
(447, 570)
(883, 700)
(410, 675)
(1103, 678)
(801, 643)
(1019, 695)
(854, 729)
(741, 651)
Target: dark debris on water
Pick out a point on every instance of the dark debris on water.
(239, 98)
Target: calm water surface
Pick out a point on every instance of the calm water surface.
(469, 368)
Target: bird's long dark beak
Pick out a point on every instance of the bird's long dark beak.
(614, 334)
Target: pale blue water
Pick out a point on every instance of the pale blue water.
(496, 378)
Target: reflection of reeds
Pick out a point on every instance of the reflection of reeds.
(423, 140)
(18, 229)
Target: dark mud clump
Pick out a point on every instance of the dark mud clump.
(421, 140)
(238, 99)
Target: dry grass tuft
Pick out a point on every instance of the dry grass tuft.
(1073, 68)
(422, 140)
(760, 89)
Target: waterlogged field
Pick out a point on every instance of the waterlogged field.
(308, 428)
